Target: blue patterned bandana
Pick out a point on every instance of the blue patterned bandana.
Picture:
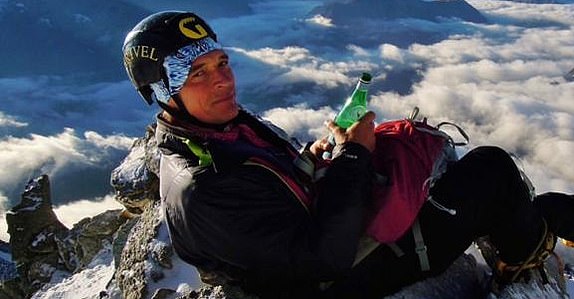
(178, 65)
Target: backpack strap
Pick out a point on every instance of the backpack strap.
(460, 131)
(420, 247)
(415, 113)
(368, 244)
(365, 247)
(396, 249)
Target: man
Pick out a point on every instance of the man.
(240, 204)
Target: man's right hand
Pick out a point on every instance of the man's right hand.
(361, 132)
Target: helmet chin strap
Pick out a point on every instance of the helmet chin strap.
(180, 112)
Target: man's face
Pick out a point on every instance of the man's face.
(209, 90)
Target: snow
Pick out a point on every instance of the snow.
(86, 284)
(567, 255)
(93, 281)
(180, 271)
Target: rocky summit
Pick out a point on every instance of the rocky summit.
(127, 253)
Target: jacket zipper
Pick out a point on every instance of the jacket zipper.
(273, 171)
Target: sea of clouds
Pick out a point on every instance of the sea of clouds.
(501, 81)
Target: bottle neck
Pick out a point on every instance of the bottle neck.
(362, 85)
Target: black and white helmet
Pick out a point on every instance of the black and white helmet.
(159, 50)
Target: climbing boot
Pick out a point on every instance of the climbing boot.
(509, 273)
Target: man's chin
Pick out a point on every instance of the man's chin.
(230, 113)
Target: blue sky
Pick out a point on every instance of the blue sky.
(501, 80)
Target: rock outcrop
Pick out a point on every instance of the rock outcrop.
(139, 266)
(33, 229)
(136, 180)
(41, 244)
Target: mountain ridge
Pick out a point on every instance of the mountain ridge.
(397, 9)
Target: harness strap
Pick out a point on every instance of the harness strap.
(420, 247)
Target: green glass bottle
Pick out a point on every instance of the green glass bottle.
(354, 108)
(356, 104)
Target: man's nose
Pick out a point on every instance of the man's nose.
(223, 78)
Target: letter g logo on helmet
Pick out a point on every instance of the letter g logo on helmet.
(197, 32)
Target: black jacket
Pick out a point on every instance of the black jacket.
(244, 221)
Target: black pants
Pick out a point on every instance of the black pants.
(490, 198)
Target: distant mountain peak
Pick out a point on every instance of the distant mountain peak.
(352, 11)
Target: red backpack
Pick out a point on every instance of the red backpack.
(409, 156)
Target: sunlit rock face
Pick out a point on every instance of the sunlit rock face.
(135, 180)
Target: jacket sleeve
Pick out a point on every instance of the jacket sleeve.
(250, 221)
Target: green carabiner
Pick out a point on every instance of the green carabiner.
(203, 155)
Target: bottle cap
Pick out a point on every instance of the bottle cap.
(366, 77)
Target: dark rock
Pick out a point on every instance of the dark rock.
(41, 244)
(87, 238)
(217, 292)
(11, 289)
(34, 229)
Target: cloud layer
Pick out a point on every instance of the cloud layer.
(73, 162)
